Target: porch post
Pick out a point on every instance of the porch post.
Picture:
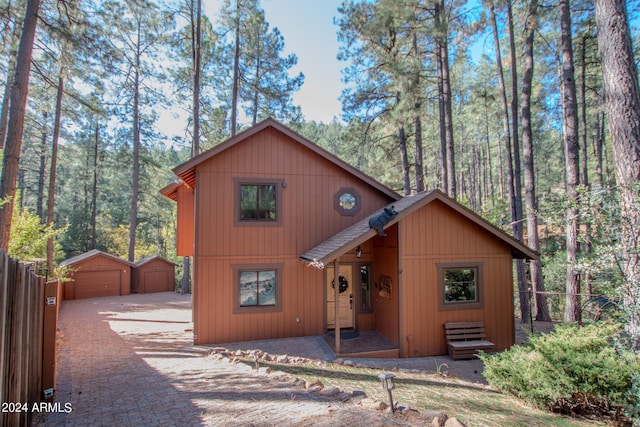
(336, 305)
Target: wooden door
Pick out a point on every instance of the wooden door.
(91, 284)
(345, 297)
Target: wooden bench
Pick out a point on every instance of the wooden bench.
(464, 339)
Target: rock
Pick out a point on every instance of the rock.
(314, 389)
(264, 370)
(339, 361)
(358, 395)
(330, 391)
(219, 350)
(434, 418)
(267, 357)
(343, 397)
(239, 353)
(361, 365)
(374, 404)
(348, 362)
(454, 422)
(282, 359)
(313, 382)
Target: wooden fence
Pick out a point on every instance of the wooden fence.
(28, 323)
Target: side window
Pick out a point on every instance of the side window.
(365, 288)
(460, 285)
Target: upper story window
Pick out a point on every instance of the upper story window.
(258, 202)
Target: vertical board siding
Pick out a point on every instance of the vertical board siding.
(434, 234)
(185, 221)
(97, 265)
(308, 218)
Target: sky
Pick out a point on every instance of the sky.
(308, 31)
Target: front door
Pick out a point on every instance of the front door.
(345, 297)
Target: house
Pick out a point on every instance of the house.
(268, 217)
(97, 274)
(153, 274)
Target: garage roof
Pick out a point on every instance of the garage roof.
(93, 253)
(150, 258)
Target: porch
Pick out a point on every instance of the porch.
(369, 344)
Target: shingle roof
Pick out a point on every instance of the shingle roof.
(90, 254)
(150, 258)
(360, 232)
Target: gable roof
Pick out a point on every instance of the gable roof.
(360, 232)
(151, 258)
(187, 171)
(171, 191)
(93, 253)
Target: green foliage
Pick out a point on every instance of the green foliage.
(574, 370)
(28, 236)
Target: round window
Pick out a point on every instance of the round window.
(347, 201)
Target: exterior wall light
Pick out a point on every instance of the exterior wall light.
(388, 384)
(358, 252)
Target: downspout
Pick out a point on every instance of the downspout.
(336, 304)
(401, 342)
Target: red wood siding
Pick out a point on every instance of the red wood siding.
(98, 276)
(155, 275)
(434, 234)
(185, 221)
(308, 218)
(385, 263)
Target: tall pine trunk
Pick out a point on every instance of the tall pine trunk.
(43, 168)
(584, 175)
(444, 89)
(418, 158)
(54, 163)
(15, 126)
(518, 226)
(196, 38)
(572, 150)
(196, 35)
(622, 98)
(511, 180)
(94, 189)
(236, 73)
(135, 178)
(406, 180)
(531, 200)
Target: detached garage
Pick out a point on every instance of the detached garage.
(97, 274)
(153, 274)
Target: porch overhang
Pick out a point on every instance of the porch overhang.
(339, 244)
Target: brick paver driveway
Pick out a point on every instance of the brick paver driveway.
(130, 361)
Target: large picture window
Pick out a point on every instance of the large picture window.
(460, 285)
(258, 202)
(257, 288)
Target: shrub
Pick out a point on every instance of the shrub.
(574, 370)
